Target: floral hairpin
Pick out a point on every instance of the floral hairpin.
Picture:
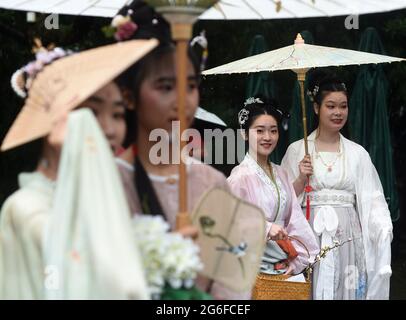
(123, 27)
(244, 113)
(312, 94)
(279, 111)
(21, 80)
(202, 41)
(252, 100)
(243, 116)
(344, 86)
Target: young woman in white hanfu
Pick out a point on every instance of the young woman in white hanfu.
(266, 185)
(347, 201)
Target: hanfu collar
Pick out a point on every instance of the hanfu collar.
(36, 180)
(257, 168)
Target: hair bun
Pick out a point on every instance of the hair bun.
(319, 80)
(319, 77)
(150, 24)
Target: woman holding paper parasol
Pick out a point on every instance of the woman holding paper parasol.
(347, 201)
(372, 210)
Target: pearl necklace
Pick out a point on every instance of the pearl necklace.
(328, 165)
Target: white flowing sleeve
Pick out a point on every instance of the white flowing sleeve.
(89, 245)
(23, 217)
(376, 227)
(290, 162)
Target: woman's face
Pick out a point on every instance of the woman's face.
(333, 111)
(109, 109)
(157, 99)
(263, 136)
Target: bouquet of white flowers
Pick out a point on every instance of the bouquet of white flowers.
(171, 262)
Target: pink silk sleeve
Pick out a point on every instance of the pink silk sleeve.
(240, 186)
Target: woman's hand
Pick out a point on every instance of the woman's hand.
(305, 168)
(277, 233)
(189, 231)
(305, 171)
(289, 271)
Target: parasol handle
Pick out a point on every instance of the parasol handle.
(301, 76)
(301, 80)
(181, 33)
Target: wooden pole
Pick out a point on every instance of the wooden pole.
(181, 33)
(301, 78)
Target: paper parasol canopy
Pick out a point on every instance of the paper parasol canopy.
(289, 9)
(65, 83)
(224, 10)
(300, 56)
(231, 239)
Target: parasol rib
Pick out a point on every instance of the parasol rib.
(284, 9)
(253, 9)
(55, 5)
(89, 6)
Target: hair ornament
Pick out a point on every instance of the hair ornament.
(201, 40)
(124, 26)
(22, 79)
(243, 116)
(312, 94)
(252, 100)
(344, 86)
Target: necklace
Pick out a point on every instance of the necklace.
(321, 184)
(328, 165)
